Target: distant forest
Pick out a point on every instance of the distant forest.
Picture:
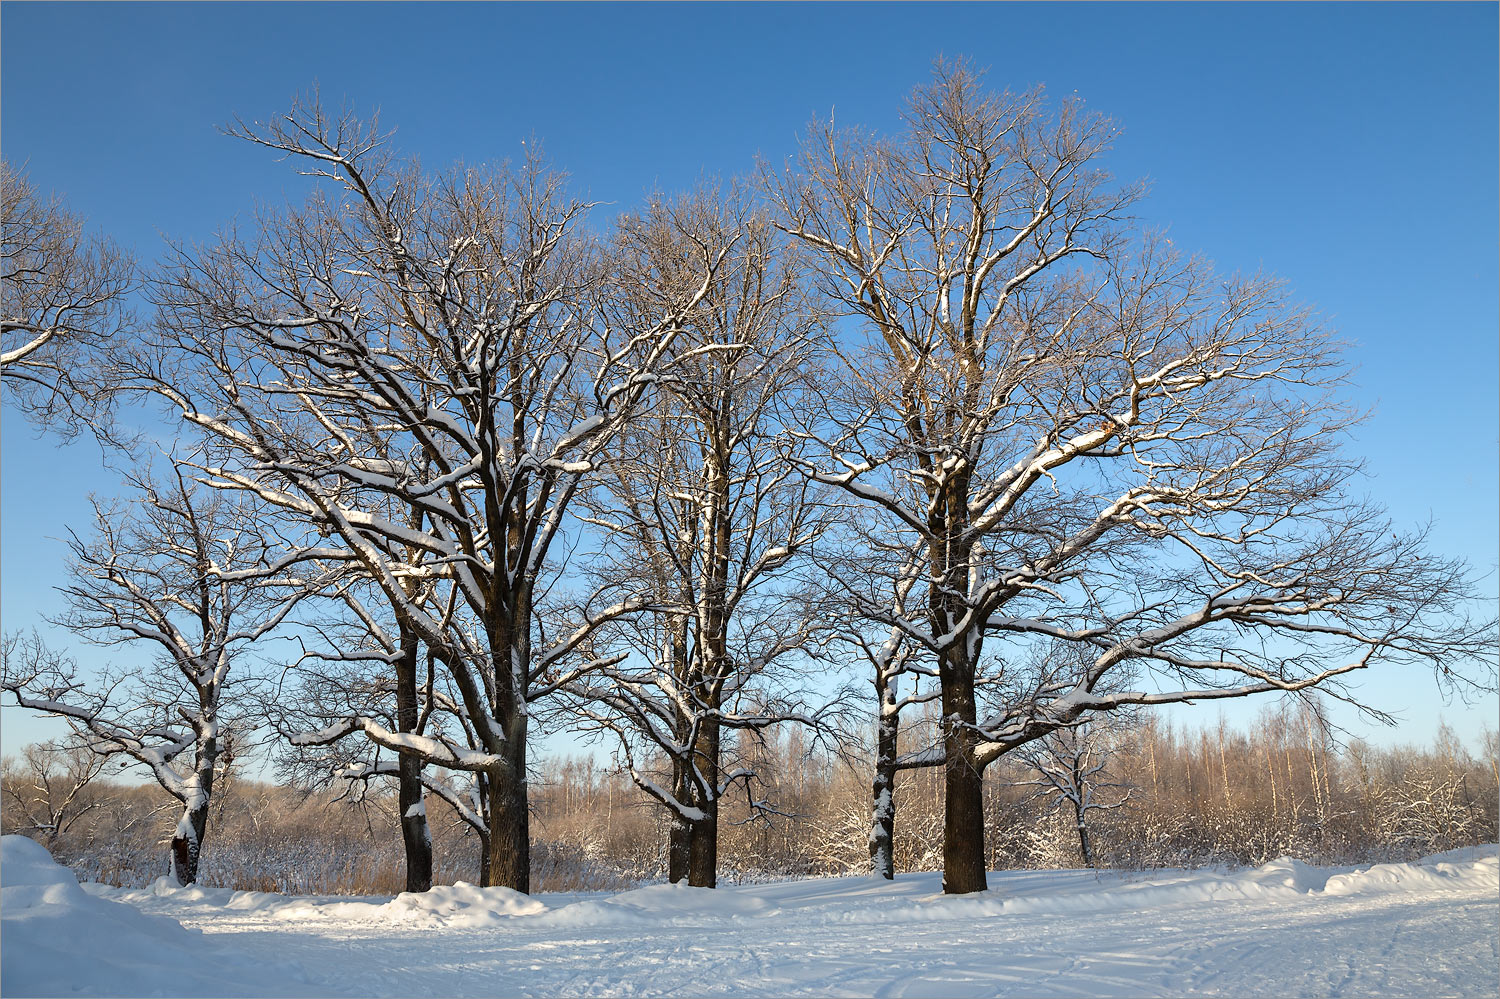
(1165, 798)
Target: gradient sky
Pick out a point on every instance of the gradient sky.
(1350, 149)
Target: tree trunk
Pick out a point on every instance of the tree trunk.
(703, 846)
(703, 850)
(703, 838)
(963, 799)
(963, 792)
(510, 830)
(883, 789)
(1083, 835)
(415, 836)
(679, 847)
(192, 827)
(510, 819)
(486, 815)
(485, 866)
(510, 827)
(963, 802)
(187, 844)
(680, 832)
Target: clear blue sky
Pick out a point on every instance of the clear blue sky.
(1349, 148)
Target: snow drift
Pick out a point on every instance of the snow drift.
(57, 939)
(1283, 928)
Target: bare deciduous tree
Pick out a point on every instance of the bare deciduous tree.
(46, 787)
(1080, 435)
(366, 667)
(433, 340)
(189, 575)
(62, 299)
(1071, 765)
(699, 502)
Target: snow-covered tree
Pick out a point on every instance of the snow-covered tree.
(365, 665)
(1072, 765)
(434, 339)
(189, 575)
(1079, 434)
(699, 503)
(46, 788)
(874, 576)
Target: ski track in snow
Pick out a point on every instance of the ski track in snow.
(1425, 929)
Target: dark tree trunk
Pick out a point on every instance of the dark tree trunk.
(883, 789)
(187, 847)
(963, 813)
(482, 781)
(703, 840)
(680, 833)
(415, 836)
(510, 826)
(679, 847)
(1083, 835)
(485, 866)
(703, 849)
(510, 816)
(693, 844)
(963, 798)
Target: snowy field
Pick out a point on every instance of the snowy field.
(1285, 929)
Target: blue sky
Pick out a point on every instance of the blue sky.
(1350, 149)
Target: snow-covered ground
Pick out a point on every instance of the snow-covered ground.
(1286, 929)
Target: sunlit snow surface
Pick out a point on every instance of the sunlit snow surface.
(1427, 929)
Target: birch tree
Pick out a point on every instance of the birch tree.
(434, 339)
(188, 576)
(1083, 435)
(701, 504)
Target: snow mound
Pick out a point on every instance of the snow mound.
(1286, 872)
(57, 939)
(1456, 870)
(459, 905)
(662, 905)
(185, 895)
(1464, 854)
(1284, 878)
(28, 864)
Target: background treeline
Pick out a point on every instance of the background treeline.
(1181, 797)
